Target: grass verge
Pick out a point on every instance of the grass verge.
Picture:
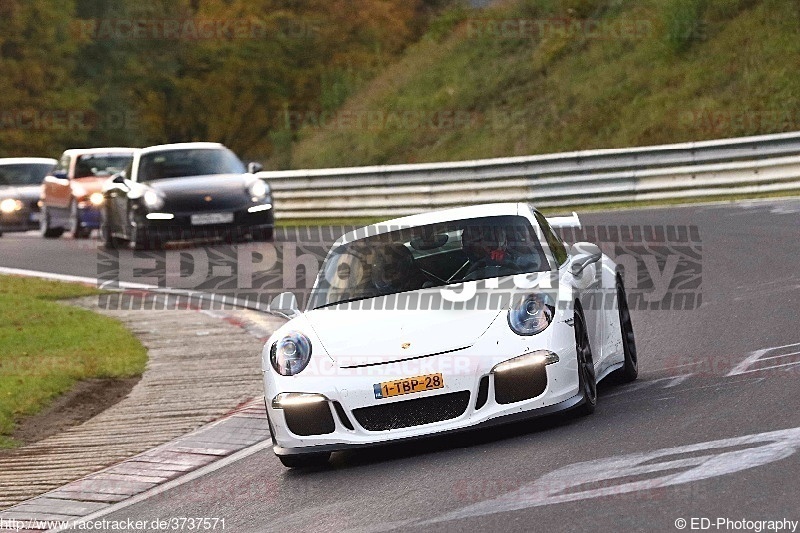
(47, 347)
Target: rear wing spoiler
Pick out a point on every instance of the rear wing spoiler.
(571, 221)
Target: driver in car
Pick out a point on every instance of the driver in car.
(393, 269)
(486, 246)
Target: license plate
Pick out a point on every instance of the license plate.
(387, 389)
(212, 218)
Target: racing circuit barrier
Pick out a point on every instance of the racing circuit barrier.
(706, 169)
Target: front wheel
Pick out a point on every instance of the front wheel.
(45, 228)
(306, 460)
(262, 234)
(142, 241)
(75, 228)
(630, 369)
(106, 236)
(587, 381)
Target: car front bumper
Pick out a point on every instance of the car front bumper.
(180, 227)
(350, 416)
(25, 219)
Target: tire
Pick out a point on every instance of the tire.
(75, 228)
(262, 234)
(141, 240)
(587, 381)
(109, 242)
(308, 460)
(45, 229)
(630, 370)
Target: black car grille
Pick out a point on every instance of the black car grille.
(412, 412)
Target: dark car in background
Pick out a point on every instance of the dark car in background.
(20, 185)
(71, 195)
(186, 191)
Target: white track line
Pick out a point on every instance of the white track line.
(155, 491)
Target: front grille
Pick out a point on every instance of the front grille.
(412, 412)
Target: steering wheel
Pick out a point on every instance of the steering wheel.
(483, 264)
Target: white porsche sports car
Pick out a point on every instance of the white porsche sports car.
(442, 322)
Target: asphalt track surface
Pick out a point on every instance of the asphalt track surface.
(710, 430)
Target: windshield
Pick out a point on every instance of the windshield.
(189, 162)
(100, 165)
(24, 174)
(421, 257)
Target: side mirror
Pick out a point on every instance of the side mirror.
(583, 254)
(285, 304)
(119, 178)
(60, 174)
(254, 167)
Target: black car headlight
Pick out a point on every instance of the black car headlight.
(291, 354)
(152, 200)
(258, 190)
(532, 314)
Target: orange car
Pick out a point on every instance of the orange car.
(72, 193)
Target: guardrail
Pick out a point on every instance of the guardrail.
(687, 170)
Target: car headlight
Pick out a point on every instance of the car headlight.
(291, 354)
(152, 200)
(258, 190)
(9, 205)
(96, 199)
(532, 314)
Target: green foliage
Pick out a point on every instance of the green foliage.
(606, 81)
(683, 21)
(444, 24)
(217, 70)
(336, 86)
(38, 98)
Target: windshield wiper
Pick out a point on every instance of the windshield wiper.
(348, 300)
(457, 271)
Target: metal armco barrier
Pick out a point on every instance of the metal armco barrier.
(688, 170)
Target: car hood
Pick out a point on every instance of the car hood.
(219, 183)
(358, 337)
(21, 192)
(221, 192)
(86, 186)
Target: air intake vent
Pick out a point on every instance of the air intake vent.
(483, 393)
(413, 412)
(342, 416)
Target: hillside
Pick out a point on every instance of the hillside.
(539, 76)
(139, 72)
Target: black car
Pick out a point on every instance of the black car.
(182, 192)
(20, 187)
